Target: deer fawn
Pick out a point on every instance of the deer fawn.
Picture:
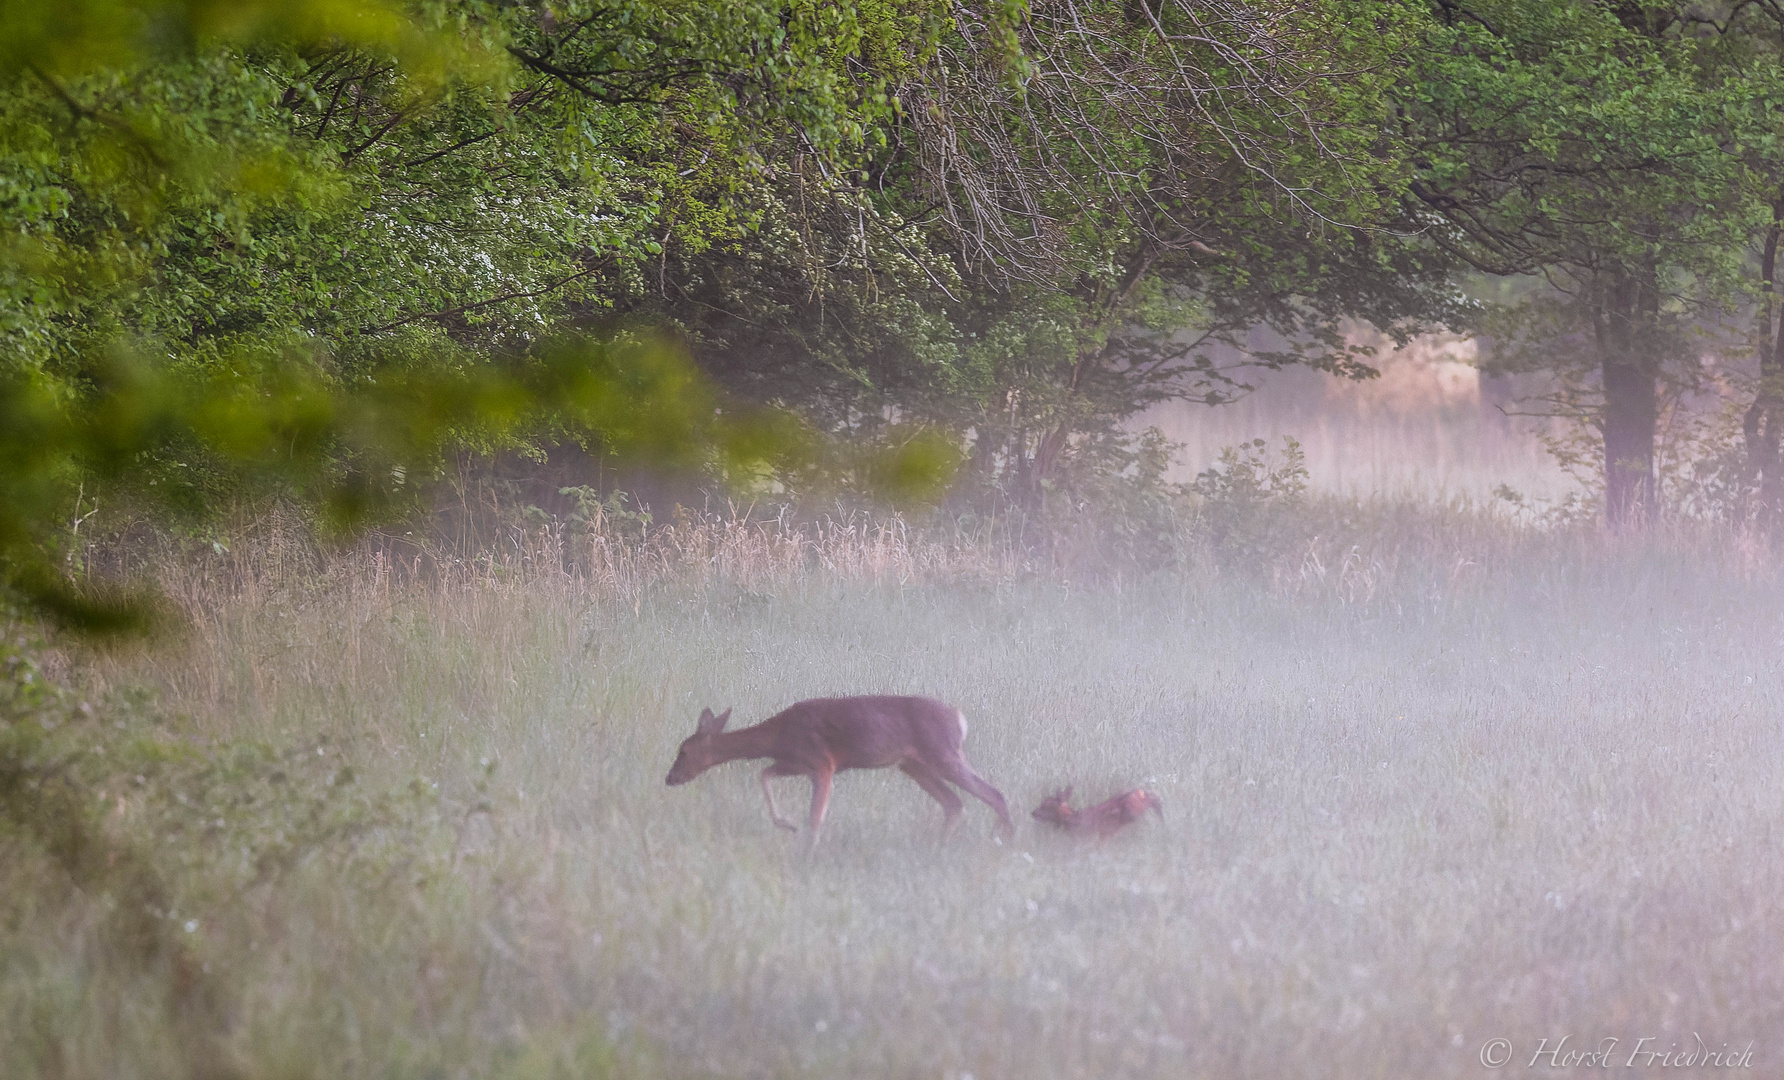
(823, 736)
(1104, 819)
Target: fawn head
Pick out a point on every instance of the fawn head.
(1053, 808)
(697, 754)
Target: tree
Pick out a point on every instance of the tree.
(320, 245)
(1749, 38)
(1069, 208)
(1594, 144)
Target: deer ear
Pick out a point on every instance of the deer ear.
(718, 722)
(710, 724)
(1066, 794)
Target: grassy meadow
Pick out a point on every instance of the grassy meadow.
(1430, 779)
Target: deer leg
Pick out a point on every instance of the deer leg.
(773, 810)
(929, 781)
(962, 774)
(820, 800)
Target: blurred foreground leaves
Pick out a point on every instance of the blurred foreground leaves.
(356, 449)
(258, 248)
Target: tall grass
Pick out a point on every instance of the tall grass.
(1429, 779)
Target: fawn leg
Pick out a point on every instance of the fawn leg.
(931, 782)
(774, 811)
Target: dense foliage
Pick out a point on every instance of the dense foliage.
(321, 245)
(1622, 150)
(319, 248)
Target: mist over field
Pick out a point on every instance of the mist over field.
(1430, 778)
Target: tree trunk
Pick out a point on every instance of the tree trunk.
(1626, 334)
(1630, 411)
(1046, 457)
(1764, 445)
(1764, 421)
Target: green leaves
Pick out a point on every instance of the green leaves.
(317, 246)
(80, 38)
(356, 448)
(914, 467)
(1566, 135)
(1609, 148)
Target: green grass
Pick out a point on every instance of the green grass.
(1422, 789)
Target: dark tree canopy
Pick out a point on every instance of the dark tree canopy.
(320, 247)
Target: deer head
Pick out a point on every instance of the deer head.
(1053, 808)
(698, 752)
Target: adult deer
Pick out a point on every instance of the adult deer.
(821, 737)
(1102, 820)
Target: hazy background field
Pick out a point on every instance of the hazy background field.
(1431, 778)
(1430, 426)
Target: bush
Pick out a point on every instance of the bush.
(1250, 504)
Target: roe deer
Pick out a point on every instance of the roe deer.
(820, 737)
(1103, 819)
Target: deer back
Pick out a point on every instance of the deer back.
(825, 734)
(866, 732)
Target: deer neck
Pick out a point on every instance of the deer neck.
(743, 744)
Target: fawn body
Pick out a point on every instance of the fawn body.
(1102, 820)
(821, 737)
